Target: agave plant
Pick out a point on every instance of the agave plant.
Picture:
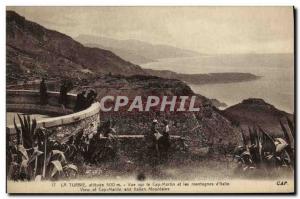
(20, 157)
(57, 166)
(26, 133)
(266, 151)
(33, 156)
(54, 163)
(289, 138)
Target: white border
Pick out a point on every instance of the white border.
(148, 2)
(3, 5)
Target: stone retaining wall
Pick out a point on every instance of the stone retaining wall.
(27, 101)
(33, 97)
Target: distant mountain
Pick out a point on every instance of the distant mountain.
(33, 50)
(138, 52)
(257, 111)
(125, 54)
(210, 78)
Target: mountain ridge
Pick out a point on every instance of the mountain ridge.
(32, 48)
(139, 48)
(208, 78)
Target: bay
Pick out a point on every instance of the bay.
(276, 85)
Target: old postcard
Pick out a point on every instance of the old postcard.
(154, 100)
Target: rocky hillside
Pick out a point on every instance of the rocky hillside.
(207, 126)
(257, 111)
(33, 50)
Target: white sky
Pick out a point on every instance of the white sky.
(204, 29)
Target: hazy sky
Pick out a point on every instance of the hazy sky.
(204, 29)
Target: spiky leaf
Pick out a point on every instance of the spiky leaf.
(59, 155)
(18, 132)
(256, 135)
(25, 132)
(29, 124)
(252, 137)
(71, 166)
(268, 144)
(34, 124)
(36, 153)
(27, 136)
(57, 167)
(285, 133)
(22, 127)
(23, 151)
(291, 125)
(244, 138)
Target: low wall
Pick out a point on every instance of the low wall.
(35, 85)
(27, 101)
(33, 97)
(38, 109)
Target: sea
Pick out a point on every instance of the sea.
(275, 85)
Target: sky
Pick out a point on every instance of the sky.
(211, 30)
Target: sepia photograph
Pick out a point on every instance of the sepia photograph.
(150, 99)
